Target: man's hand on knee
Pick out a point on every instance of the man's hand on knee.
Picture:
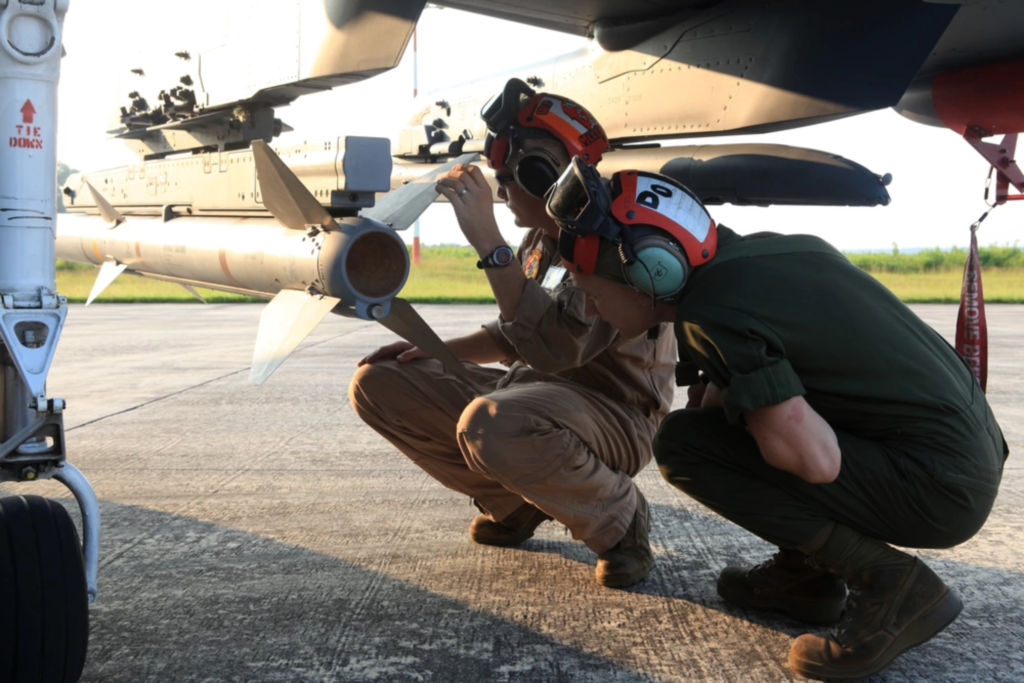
(401, 351)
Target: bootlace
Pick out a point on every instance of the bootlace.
(772, 565)
(859, 616)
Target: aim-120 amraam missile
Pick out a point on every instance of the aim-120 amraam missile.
(284, 245)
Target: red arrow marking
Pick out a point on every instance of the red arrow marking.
(27, 112)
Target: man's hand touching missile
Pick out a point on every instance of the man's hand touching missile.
(470, 196)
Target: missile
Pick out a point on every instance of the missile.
(205, 220)
(307, 262)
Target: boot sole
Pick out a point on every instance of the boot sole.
(925, 627)
(624, 579)
(482, 535)
(500, 543)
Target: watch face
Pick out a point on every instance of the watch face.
(502, 256)
(499, 257)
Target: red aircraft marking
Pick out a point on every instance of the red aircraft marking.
(27, 112)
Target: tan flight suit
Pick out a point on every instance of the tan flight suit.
(565, 428)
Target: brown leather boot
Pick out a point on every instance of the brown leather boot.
(510, 531)
(630, 560)
(786, 583)
(891, 608)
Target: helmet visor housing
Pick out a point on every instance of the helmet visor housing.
(579, 202)
(501, 110)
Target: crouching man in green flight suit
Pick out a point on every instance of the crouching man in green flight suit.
(824, 415)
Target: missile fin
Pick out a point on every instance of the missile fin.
(283, 193)
(192, 290)
(289, 317)
(401, 207)
(108, 273)
(107, 211)
(406, 322)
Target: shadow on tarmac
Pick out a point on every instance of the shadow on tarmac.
(185, 599)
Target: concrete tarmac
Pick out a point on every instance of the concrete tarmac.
(265, 534)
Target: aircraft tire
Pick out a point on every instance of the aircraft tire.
(44, 611)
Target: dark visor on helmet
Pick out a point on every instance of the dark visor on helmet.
(580, 202)
(501, 110)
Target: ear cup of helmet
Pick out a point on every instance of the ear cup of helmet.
(659, 266)
(536, 161)
(535, 173)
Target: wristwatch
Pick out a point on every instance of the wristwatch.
(498, 258)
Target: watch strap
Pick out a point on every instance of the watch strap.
(499, 257)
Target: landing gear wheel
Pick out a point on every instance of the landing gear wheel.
(44, 614)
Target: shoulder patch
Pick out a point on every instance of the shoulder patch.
(532, 264)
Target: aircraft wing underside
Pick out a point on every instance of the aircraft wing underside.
(582, 18)
(761, 65)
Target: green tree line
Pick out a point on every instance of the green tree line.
(937, 260)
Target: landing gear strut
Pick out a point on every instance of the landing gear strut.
(46, 577)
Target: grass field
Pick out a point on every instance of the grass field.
(449, 274)
(999, 285)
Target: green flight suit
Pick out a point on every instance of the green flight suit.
(772, 317)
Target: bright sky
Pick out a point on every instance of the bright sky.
(938, 180)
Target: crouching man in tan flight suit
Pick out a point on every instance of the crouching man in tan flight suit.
(563, 430)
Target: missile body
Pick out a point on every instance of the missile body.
(284, 245)
(361, 261)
